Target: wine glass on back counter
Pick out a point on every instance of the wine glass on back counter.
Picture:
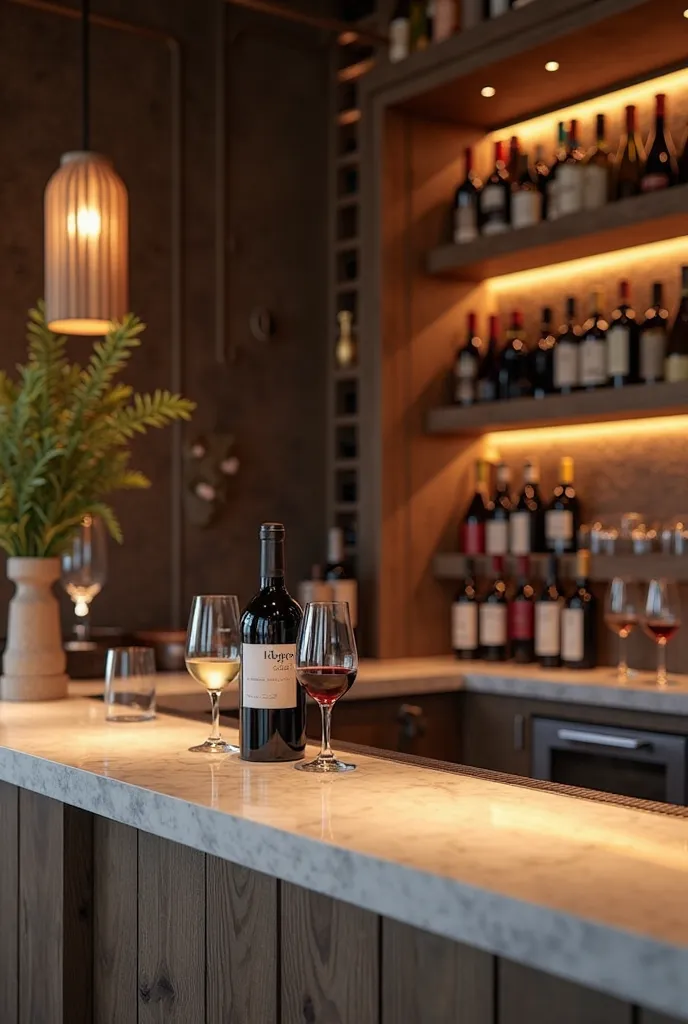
(621, 613)
(326, 667)
(661, 619)
(213, 644)
(84, 569)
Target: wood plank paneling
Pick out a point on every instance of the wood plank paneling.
(430, 980)
(77, 925)
(115, 923)
(329, 960)
(241, 943)
(538, 998)
(171, 932)
(9, 909)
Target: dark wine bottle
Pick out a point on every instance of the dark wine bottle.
(487, 388)
(683, 162)
(566, 353)
(272, 704)
(653, 338)
(400, 32)
(498, 512)
(570, 176)
(467, 365)
(548, 619)
(579, 620)
(562, 518)
(493, 617)
(527, 517)
(514, 381)
(473, 525)
(513, 165)
(542, 357)
(464, 617)
(466, 203)
(597, 170)
(661, 169)
(676, 362)
(343, 584)
(628, 167)
(541, 169)
(623, 342)
(494, 198)
(593, 346)
(526, 198)
(559, 157)
(418, 25)
(522, 615)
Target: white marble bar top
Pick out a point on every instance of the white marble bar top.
(582, 889)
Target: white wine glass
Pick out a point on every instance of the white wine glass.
(661, 619)
(84, 569)
(213, 645)
(622, 609)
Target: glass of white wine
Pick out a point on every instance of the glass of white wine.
(213, 645)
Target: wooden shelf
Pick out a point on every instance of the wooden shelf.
(347, 244)
(348, 200)
(452, 566)
(345, 117)
(605, 405)
(346, 372)
(353, 71)
(348, 159)
(346, 420)
(629, 222)
(344, 287)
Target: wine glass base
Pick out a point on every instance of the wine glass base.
(214, 747)
(325, 766)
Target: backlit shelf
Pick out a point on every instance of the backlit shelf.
(452, 566)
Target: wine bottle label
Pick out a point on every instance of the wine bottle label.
(676, 367)
(653, 182)
(565, 365)
(593, 362)
(547, 629)
(464, 389)
(493, 206)
(498, 7)
(572, 635)
(595, 186)
(473, 538)
(652, 349)
(347, 591)
(519, 533)
(493, 625)
(496, 537)
(526, 208)
(522, 620)
(466, 366)
(464, 626)
(268, 676)
(465, 224)
(559, 525)
(569, 189)
(399, 39)
(618, 351)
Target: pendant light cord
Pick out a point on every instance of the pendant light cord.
(85, 75)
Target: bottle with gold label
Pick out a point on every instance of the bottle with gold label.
(579, 620)
(676, 362)
(562, 518)
(345, 349)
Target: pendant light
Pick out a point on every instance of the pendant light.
(86, 231)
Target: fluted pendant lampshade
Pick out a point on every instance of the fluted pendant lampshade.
(86, 245)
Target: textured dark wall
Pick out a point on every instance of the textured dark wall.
(272, 396)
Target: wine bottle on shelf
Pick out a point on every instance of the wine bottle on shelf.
(473, 525)
(444, 20)
(597, 169)
(526, 198)
(343, 585)
(676, 362)
(514, 380)
(566, 357)
(623, 342)
(493, 617)
(559, 157)
(272, 704)
(464, 616)
(683, 161)
(513, 164)
(628, 167)
(345, 349)
(418, 22)
(562, 517)
(400, 32)
(548, 618)
(541, 169)
(487, 387)
(494, 198)
(527, 517)
(542, 357)
(579, 620)
(498, 7)
(498, 511)
(593, 346)
(522, 615)
(466, 366)
(661, 169)
(653, 338)
(570, 176)
(466, 203)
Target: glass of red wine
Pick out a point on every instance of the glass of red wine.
(661, 620)
(621, 613)
(326, 666)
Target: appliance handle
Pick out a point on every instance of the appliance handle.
(600, 739)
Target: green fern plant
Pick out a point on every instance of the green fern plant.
(65, 435)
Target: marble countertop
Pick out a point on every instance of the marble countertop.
(581, 889)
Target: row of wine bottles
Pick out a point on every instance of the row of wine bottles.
(416, 23)
(521, 526)
(605, 350)
(515, 621)
(519, 193)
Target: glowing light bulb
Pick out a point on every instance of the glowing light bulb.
(552, 65)
(86, 222)
(487, 91)
(81, 608)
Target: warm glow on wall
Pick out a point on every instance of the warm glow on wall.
(580, 432)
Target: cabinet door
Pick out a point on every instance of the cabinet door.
(495, 733)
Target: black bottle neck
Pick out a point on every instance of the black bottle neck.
(272, 562)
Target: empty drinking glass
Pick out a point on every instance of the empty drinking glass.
(84, 569)
(130, 684)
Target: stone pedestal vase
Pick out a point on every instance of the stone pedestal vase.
(34, 661)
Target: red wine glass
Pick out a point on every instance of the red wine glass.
(621, 613)
(326, 666)
(661, 620)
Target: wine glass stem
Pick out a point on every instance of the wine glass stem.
(325, 748)
(622, 670)
(661, 663)
(215, 706)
